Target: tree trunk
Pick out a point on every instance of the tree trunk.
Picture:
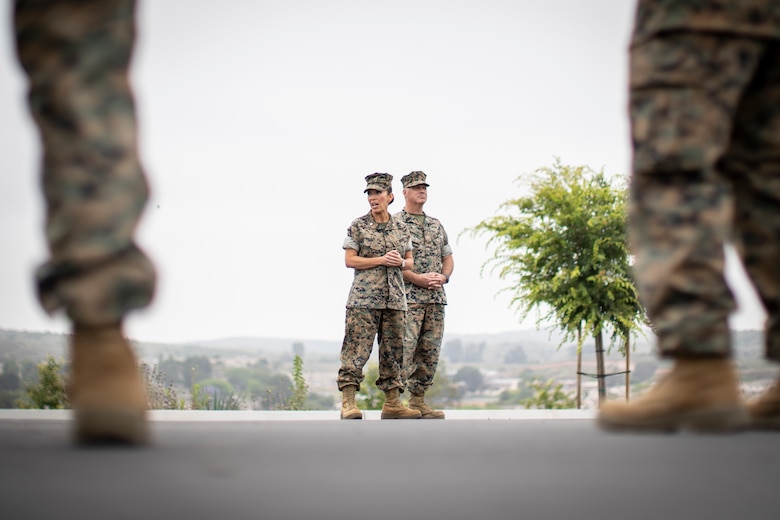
(579, 369)
(628, 366)
(600, 367)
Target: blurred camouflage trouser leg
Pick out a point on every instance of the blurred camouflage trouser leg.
(422, 345)
(362, 326)
(699, 149)
(76, 56)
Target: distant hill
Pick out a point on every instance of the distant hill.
(538, 345)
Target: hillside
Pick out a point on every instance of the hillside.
(537, 345)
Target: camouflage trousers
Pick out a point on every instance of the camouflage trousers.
(422, 345)
(361, 327)
(705, 121)
(76, 56)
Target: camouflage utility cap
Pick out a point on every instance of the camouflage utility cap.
(413, 179)
(379, 182)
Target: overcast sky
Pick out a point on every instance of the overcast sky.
(259, 121)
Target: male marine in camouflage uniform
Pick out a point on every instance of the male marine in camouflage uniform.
(378, 247)
(76, 56)
(705, 114)
(425, 296)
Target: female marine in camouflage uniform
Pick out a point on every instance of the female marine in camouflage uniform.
(378, 247)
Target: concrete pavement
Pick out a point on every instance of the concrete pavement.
(309, 465)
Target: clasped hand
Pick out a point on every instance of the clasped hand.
(393, 258)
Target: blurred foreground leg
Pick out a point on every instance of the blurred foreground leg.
(76, 56)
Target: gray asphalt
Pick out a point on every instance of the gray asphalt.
(289, 465)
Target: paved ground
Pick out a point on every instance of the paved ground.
(310, 465)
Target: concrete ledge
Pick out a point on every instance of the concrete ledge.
(308, 415)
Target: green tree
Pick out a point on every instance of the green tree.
(49, 391)
(443, 393)
(563, 248)
(278, 392)
(11, 388)
(300, 389)
(214, 394)
(369, 397)
(10, 377)
(471, 377)
(548, 395)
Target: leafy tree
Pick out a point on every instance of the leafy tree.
(187, 372)
(443, 393)
(196, 368)
(214, 394)
(300, 389)
(369, 397)
(548, 395)
(10, 377)
(471, 377)
(10, 384)
(49, 391)
(277, 393)
(563, 248)
(516, 396)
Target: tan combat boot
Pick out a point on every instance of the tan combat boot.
(765, 409)
(697, 394)
(417, 402)
(349, 409)
(394, 408)
(106, 390)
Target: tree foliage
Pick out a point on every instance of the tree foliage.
(443, 393)
(548, 395)
(369, 397)
(471, 377)
(563, 248)
(300, 389)
(49, 392)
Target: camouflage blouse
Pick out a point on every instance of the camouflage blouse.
(431, 245)
(752, 18)
(380, 287)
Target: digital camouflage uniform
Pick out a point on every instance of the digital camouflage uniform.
(376, 306)
(705, 114)
(76, 56)
(425, 314)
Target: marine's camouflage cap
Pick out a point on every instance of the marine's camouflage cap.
(413, 179)
(378, 181)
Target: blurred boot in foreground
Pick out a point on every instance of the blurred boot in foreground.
(106, 390)
(698, 394)
(765, 409)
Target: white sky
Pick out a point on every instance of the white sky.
(259, 120)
